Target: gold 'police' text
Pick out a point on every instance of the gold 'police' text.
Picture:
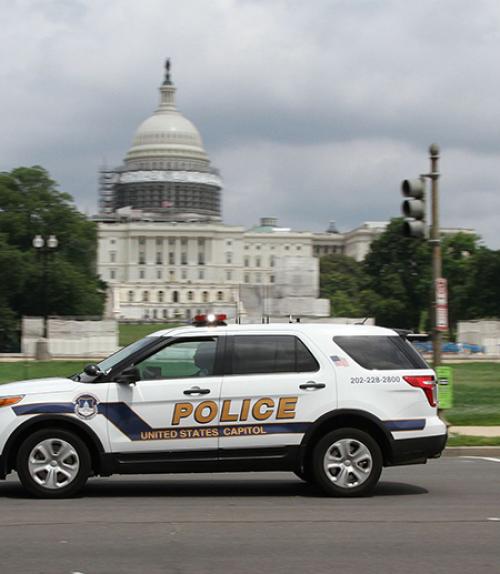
(262, 409)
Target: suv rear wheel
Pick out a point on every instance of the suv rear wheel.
(53, 463)
(347, 462)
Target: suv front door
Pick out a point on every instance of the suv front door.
(173, 405)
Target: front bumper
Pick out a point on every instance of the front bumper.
(416, 450)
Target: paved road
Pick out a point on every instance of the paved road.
(442, 517)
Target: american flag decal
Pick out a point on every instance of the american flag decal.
(339, 361)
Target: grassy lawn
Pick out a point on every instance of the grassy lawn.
(464, 440)
(130, 332)
(476, 394)
(36, 369)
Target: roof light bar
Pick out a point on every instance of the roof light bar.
(210, 320)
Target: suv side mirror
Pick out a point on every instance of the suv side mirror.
(129, 376)
(92, 370)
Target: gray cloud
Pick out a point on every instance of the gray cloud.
(312, 110)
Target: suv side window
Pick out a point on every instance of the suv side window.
(381, 352)
(181, 358)
(258, 354)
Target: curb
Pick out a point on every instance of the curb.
(493, 451)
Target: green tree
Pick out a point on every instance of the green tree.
(31, 204)
(341, 281)
(398, 271)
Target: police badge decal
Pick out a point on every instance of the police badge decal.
(86, 406)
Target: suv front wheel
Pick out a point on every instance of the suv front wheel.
(53, 463)
(347, 462)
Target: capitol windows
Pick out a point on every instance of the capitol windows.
(201, 273)
(272, 261)
(159, 258)
(161, 296)
(246, 278)
(142, 258)
(247, 261)
(175, 296)
(112, 274)
(165, 313)
(159, 241)
(145, 296)
(257, 262)
(287, 247)
(298, 247)
(184, 258)
(159, 274)
(190, 295)
(130, 296)
(229, 257)
(171, 240)
(258, 278)
(271, 278)
(220, 296)
(229, 275)
(142, 241)
(204, 296)
(142, 274)
(112, 256)
(171, 258)
(183, 273)
(201, 258)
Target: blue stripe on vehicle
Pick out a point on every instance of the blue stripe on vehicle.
(405, 425)
(44, 408)
(125, 419)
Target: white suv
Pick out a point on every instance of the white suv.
(332, 403)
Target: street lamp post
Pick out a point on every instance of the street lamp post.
(44, 247)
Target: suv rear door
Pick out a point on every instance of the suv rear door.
(274, 386)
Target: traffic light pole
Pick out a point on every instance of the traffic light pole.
(435, 241)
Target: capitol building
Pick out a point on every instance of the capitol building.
(165, 252)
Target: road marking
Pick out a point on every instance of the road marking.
(486, 458)
(494, 519)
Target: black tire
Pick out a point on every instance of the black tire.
(77, 463)
(347, 477)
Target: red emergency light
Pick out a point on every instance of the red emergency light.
(210, 320)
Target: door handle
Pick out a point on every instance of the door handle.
(312, 386)
(196, 391)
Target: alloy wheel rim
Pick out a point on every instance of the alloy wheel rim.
(348, 463)
(53, 463)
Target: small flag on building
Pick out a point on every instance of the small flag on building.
(339, 361)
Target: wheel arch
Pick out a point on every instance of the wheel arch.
(343, 418)
(41, 422)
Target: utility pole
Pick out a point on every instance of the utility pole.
(435, 242)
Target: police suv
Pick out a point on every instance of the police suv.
(332, 403)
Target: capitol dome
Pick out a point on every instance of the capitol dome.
(167, 169)
(167, 138)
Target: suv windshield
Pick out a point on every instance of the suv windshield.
(117, 357)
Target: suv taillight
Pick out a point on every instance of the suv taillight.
(425, 382)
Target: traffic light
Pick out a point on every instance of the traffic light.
(413, 207)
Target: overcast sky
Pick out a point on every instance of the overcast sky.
(312, 110)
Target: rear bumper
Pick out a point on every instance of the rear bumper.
(416, 450)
